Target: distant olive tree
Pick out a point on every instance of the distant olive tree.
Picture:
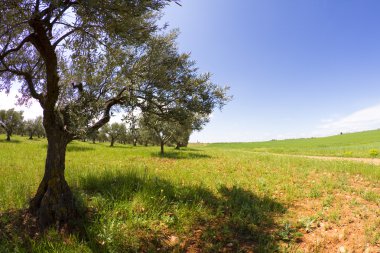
(132, 120)
(34, 127)
(10, 121)
(193, 122)
(115, 131)
(160, 131)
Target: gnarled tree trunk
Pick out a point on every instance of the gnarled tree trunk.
(53, 203)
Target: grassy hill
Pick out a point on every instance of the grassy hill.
(361, 144)
(214, 198)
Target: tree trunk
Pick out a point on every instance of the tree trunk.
(53, 203)
(93, 140)
(8, 136)
(178, 146)
(30, 136)
(112, 141)
(162, 148)
(134, 142)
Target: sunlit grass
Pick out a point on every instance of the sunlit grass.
(210, 197)
(361, 144)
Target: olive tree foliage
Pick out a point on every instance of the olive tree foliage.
(10, 121)
(182, 131)
(73, 57)
(177, 99)
(168, 84)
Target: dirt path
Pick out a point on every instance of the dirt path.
(374, 161)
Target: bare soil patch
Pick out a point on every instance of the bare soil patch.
(350, 224)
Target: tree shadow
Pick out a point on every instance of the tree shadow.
(120, 147)
(17, 227)
(180, 155)
(134, 212)
(228, 220)
(11, 141)
(191, 149)
(74, 148)
(35, 139)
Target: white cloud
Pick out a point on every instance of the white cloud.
(9, 101)
(365, 119)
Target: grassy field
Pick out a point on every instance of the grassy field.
(361, 144)
(206, 198)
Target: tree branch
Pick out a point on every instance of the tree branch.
(60, 14)
(37, 8)
(28, 79)
(3, 125)
(64, 37)
(107, 111)
(7, 52)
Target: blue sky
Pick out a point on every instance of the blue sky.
(296, 68)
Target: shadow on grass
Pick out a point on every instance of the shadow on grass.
(11, 141)
(191, 149)
(120, 147)
(75, 148)
(17, 229)
(144, 212)
(131, 212)
(35, 139)
(180, 155)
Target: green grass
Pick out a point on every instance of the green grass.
(361, 144)
(211, 198)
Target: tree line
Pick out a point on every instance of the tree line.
(12, 122)
(134, 129)
(147, 130)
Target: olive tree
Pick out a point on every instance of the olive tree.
(10, 121)
(160, 130)
(40, 42)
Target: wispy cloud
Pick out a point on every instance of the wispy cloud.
(365, 119)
